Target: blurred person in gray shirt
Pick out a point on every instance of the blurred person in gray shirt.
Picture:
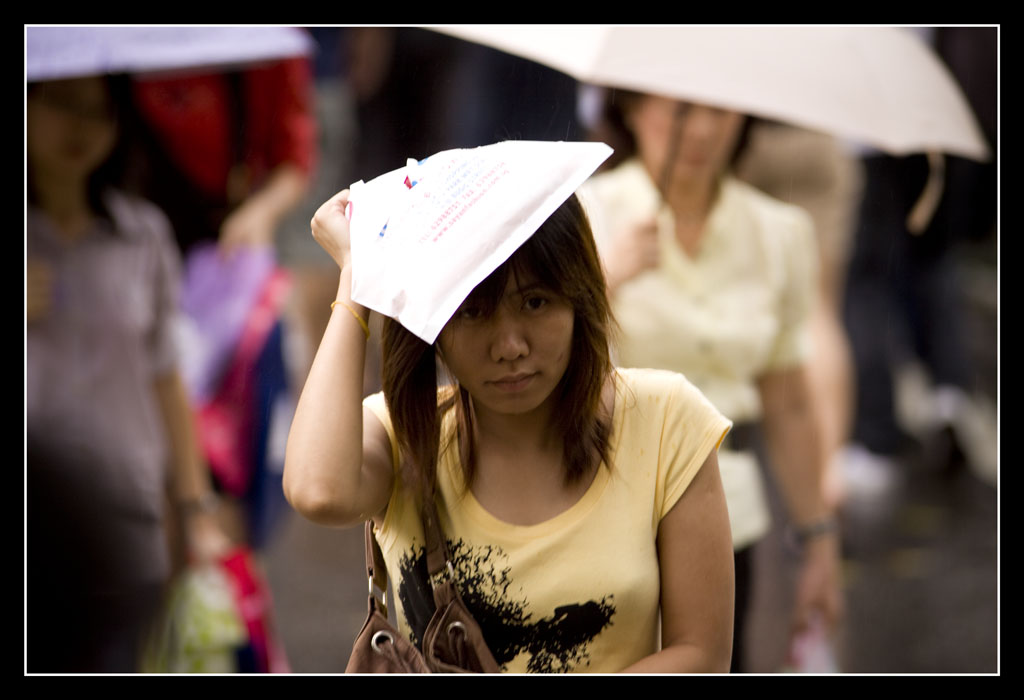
(109, 433)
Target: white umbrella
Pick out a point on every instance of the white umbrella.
(877, 85)
(53, 52)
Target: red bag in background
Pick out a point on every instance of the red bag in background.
(264, 653)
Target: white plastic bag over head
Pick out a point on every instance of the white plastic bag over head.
(424, 236)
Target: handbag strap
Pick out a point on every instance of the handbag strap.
(376, 568)
(439, 567)
(440, 570)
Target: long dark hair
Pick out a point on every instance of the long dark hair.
(563, 257)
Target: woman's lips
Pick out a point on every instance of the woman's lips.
(514, 382)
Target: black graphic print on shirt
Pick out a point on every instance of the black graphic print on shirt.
(555, 644)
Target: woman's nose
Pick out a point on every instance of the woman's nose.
(701, 121)
(509, 339)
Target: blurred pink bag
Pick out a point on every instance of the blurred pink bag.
(233, 305)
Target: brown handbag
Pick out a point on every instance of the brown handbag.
(452, 643)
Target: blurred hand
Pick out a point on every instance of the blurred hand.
(248, 226)
(39, 290)
(206, 540)
(819, 585)
(631, 251)
(331, 228)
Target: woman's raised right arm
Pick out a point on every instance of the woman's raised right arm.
(338, 462)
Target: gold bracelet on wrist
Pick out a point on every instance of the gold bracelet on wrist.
(362, 321)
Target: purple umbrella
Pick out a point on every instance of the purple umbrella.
(53, 52)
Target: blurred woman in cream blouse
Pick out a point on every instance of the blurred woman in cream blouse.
(714, 279)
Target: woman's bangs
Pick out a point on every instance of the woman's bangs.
(486, 296)
(555, 256)
(531, 261)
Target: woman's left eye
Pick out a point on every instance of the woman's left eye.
(534, 303)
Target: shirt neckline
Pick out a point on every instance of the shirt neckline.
(490, 523)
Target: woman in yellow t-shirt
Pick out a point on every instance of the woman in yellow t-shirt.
(581, 504)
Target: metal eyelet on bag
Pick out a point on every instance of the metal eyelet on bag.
(376, 640)
(456, 626)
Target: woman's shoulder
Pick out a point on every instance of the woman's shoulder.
(655, 390)
(637, 378)
(660, 407)
(378, 404)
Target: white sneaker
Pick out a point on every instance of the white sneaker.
(865, 477)
(976, 428)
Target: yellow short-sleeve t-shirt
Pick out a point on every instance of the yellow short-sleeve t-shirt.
(578, 592)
